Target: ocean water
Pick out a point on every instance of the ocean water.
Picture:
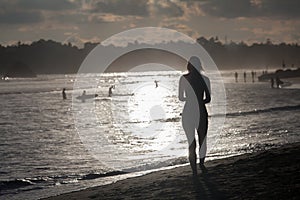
(49, 145)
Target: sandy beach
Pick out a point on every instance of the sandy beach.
(271, 174)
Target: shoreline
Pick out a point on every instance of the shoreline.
(273, 173)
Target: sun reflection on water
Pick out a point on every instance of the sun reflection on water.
(148, 103)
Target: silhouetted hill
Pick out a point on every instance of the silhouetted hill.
(49, 57)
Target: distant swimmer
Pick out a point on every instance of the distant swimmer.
(272, 82)
(156, 83)
(83, 93)
(236, 76)
(253, 75)
(278, 82)
(64, 94)
(110, 90)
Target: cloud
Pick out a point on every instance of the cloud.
(277, 31)
(251, 8)
(229, 8)
(166, 8)
(237, 19)
(89, 11)
(30, 11)
(183, 28)
(21, 17)
(120, 7)
(54, 5)
(142, 8)
(103, 18)
(67, 17)
(284, 9)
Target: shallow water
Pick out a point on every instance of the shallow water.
(49, 145)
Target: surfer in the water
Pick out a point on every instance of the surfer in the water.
(193, 86)
(83, 95)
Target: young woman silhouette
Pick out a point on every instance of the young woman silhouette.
(194, 89)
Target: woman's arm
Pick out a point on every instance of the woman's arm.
(181, 89)
(207, 90)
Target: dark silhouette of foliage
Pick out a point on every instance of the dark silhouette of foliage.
(20, 69)
(43, 57)
(257, 55)
(49, 57)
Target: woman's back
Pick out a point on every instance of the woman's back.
(195, 86)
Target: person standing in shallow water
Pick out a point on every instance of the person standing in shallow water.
(194, 89)
(110, 90)
(156, 83)
(253, 75)
(272, 82)
(64, 94)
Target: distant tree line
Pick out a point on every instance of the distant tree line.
(43, 57)
(257, 55)
(50, 57)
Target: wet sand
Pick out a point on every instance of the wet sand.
(271, 174)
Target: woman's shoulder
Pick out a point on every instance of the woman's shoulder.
(205, 77)
(184, 77)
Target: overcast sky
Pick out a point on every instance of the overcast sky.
(80, 21)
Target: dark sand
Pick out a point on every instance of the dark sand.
(272, 174)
